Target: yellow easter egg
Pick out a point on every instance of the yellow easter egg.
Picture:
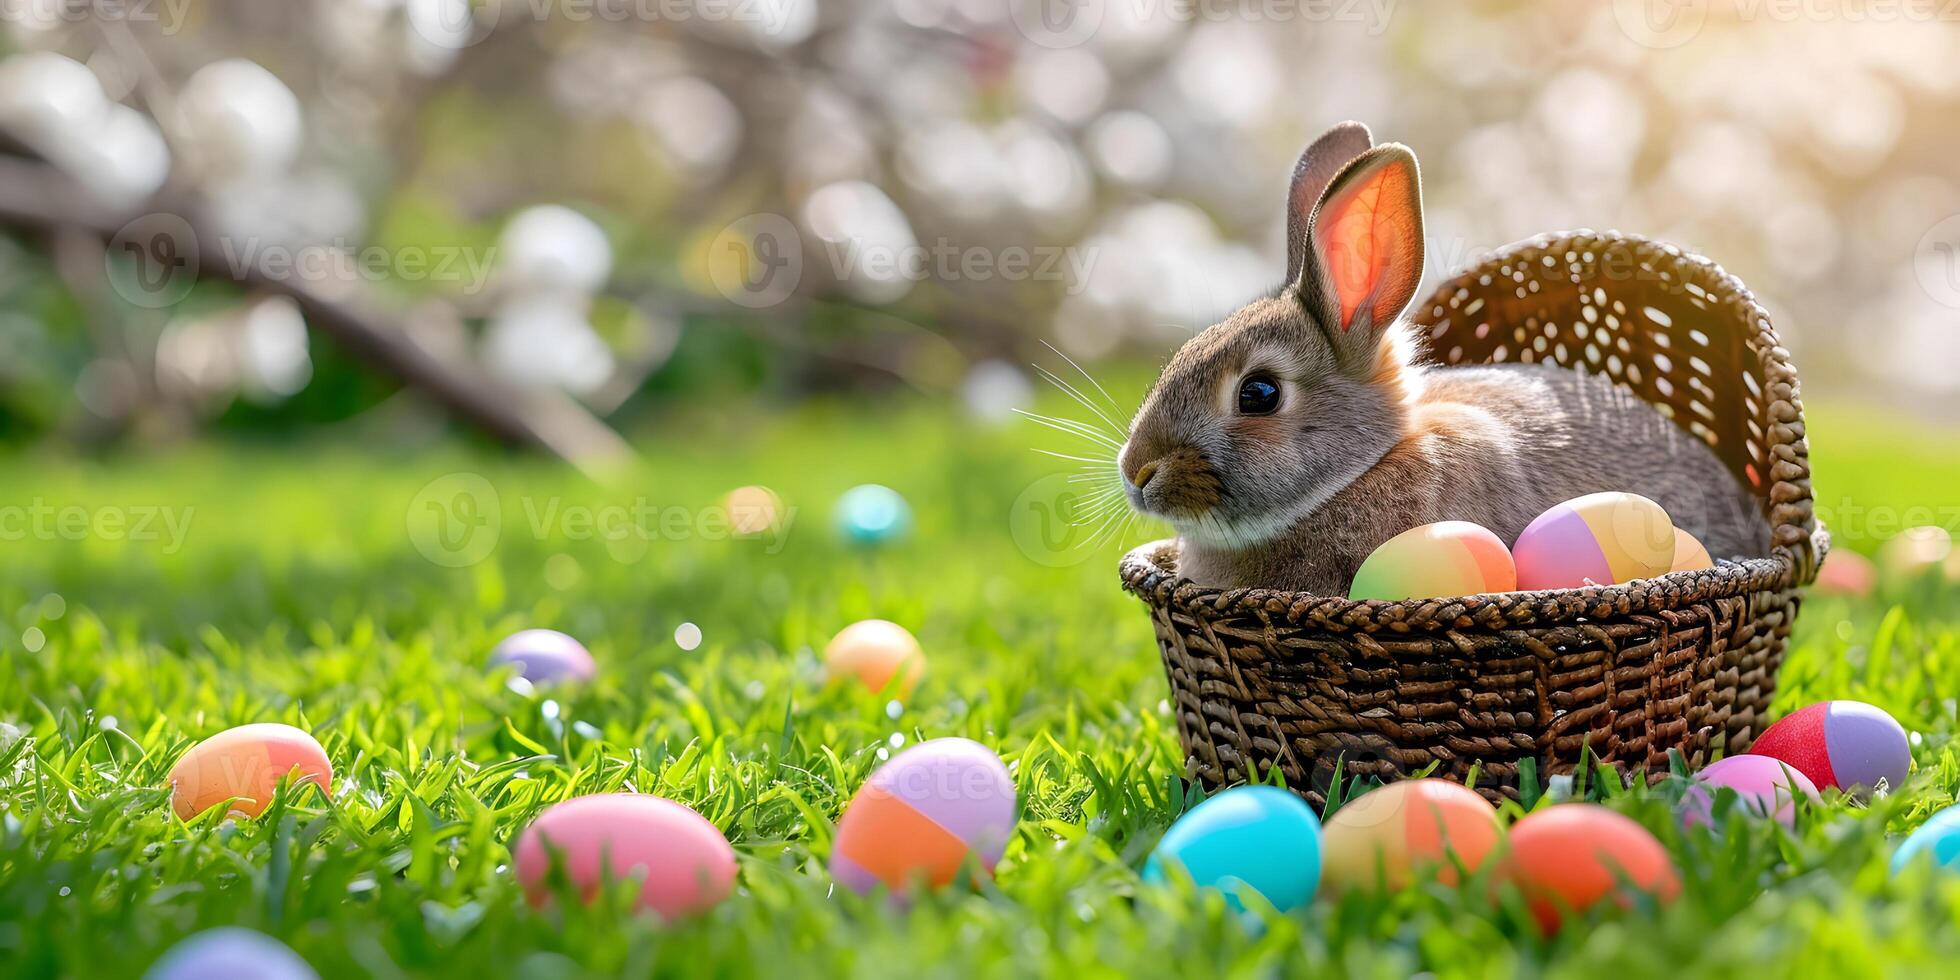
(1689, 555)
(1597, 539)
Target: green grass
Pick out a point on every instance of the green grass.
(297, 596)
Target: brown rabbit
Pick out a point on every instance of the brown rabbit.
(1289, 441)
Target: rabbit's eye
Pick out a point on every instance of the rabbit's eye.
(1258, 395)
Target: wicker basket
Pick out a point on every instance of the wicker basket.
(1688, 661)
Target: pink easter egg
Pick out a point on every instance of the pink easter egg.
(1597, 539)
(685, 864)
(1767, 787)
(1846, 572)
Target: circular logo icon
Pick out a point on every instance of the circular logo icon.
(452, 24)
(1660, 23)
(152, 261)
(1059, 521)
(757, 260)
(1936, 262)
(1058, 23)
(456, 520)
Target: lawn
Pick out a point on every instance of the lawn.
(292, 591)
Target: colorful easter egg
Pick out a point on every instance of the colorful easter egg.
(1764, 786)
(1261, 838)
(938, 808)
(545, 656)
(876, 652)
(1851, 745)
(1937, 840)
(1916, 551)
(752, 511)
(230, 953)
(1846, 572)
(1567, 858)
(683, 862)
(244, 765)
(1597, 539)
(873, 514)
(1689, 555)
(1388, 837)
(1448, 558)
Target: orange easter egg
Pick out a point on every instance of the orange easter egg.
(1567, 858)
(1389, 837)
(1433, 561)
(876, 652)
(244, 765)
(752, 510)
(1689, 555)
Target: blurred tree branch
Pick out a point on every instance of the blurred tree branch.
(38, 198)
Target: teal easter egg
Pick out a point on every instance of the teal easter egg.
(1938, 839)
(1258, 837)
(1434, 561)
(873, 514)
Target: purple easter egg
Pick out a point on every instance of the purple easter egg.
(545, 656)
(230, 953)
(1767, 788)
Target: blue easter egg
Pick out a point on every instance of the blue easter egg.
(1258, 837)
(1938, 838)
(230, 953)
(873, 514)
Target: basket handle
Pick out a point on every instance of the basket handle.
(1670, 326)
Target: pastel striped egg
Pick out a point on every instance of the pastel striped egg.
(1597, 539)
(545, 656)
(1851, 745)
(1448, 558)
(230, 953)
(683, 862)
(936, 809)
(1763, 786)
(244, 765)
(1385, 838)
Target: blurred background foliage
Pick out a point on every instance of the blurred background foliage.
(547, 193)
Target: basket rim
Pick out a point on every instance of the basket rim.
(1149, 572)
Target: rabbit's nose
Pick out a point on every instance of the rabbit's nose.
(1144, 473)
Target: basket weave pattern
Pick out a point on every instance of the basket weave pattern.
(1624, 673)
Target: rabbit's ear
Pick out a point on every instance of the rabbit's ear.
(1364, 247)
(1319, 162)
